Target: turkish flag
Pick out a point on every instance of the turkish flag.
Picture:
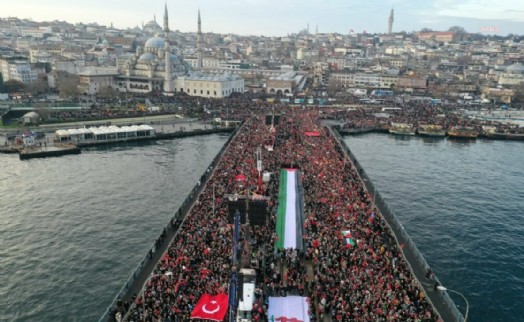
(240, 177)
(211, 307)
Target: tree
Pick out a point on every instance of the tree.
(333, 86)
(13, 86)
(2, 89)
(457, 29)
(68, 85)
(38, 87)
(107, 92)
(426, 30)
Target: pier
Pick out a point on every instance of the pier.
(165, 129)
(182, 249)
(46, 152)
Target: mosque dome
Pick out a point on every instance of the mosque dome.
(147, 56)
(152, 26)
(155, 42)
(515, 69)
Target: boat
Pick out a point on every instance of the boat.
(431, 130)
(462, 132)
(513, 135)
(401, 129)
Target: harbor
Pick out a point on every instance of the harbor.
(65, 140)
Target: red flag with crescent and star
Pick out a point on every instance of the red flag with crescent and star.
(211, 307)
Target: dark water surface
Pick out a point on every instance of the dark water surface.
(462, 202)
(73, 228)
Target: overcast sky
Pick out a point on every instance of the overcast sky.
(281, 17)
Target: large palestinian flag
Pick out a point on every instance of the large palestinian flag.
(290, 213)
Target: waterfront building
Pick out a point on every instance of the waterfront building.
(204, 85)
(286, 83)
(93, 80)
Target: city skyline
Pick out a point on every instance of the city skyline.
(251, 17)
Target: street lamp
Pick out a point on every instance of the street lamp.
(442, 288)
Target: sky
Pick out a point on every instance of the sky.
(282, 17)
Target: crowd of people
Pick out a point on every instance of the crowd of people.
(368, 280)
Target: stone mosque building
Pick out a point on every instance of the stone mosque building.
(154, 68)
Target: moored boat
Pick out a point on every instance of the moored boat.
(506, 135)
(431, 130)
(463, 133)
(401, 129)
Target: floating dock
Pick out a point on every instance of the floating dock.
(45, 152)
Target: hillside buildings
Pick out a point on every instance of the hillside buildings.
(151, 58)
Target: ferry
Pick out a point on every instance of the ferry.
(463, 132)
(401, 129)
(513, 135)
(431, 130)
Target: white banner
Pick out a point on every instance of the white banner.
(288, 309)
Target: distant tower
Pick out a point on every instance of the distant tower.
(168, 79)
(166, 22)
(316, 30)
(199, 42)
(390, 22)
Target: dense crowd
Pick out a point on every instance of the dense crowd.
(368, 281)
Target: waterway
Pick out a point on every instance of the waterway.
(462, 203)
(73, 228)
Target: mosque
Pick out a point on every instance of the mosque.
(154, 68)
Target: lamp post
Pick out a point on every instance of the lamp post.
(442, 288)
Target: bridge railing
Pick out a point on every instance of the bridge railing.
(179, 216)
(396, 227)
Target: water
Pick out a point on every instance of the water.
(462, 203)
(73, 228)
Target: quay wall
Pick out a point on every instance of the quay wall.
(441, 301)
(141, 273)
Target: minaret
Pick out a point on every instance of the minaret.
(199, 42)
(166, 22)
(390, 22)
(168, 79)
